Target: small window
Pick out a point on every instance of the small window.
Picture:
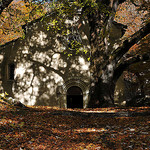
(74, 41)
(11, 71)
(73, 38)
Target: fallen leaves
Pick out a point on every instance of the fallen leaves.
(47, 128)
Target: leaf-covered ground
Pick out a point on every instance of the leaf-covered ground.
(45, 128)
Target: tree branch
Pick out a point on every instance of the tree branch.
(132, 1)
(128, 43)
(4, 4)
(47, 67)
(127, 62)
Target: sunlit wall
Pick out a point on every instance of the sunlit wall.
(43, 70)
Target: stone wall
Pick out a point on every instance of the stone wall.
(43, 72)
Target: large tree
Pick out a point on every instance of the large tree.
(109, 56)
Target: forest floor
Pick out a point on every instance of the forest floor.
(46, 128)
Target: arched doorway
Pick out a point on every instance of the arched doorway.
(74, 97)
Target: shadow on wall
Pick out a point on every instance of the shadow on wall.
(42, 66)
(127, 88)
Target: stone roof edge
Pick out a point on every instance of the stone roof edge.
(7, 43)
(36, 20)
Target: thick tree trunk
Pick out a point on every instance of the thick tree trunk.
(102, 86)
(102, 94)
(102, 65)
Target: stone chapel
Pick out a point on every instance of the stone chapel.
(38, 70)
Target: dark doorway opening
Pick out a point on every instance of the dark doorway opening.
(74, 97)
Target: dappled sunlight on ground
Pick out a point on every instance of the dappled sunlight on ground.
(94, 110)
(37, 127)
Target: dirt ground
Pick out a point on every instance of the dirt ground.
(46, 128)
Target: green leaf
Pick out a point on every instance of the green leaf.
(85, 51)
(69, 55)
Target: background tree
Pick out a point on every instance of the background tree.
(18, 13)
(4, 4)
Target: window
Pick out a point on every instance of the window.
(11, 71)
(74, 39)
